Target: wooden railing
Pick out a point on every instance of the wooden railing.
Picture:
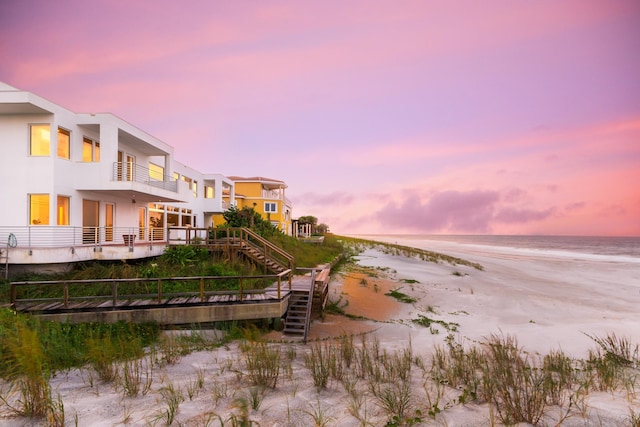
(229, 237)
(119, 290)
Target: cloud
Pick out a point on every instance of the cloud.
(445, 211)
(519, 216)
(575, 206)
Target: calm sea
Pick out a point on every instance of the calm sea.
(616, 246)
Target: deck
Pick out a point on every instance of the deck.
(200, 306)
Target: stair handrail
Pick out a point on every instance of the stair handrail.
(307, 321)
(231, 237)
(267, 247)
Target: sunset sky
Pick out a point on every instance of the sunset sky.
(502, 117)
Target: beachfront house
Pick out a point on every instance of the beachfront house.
(78, 187)
(266, 196)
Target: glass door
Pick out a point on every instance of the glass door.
(90, 221)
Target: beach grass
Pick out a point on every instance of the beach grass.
(356, 245)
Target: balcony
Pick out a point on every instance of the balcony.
(137, 173)
(57, 244)
(131, 180)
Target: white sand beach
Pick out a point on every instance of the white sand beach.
(548, 301)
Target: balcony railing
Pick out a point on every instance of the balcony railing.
(123, 171)
(33, 237)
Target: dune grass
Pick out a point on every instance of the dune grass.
(356, 245)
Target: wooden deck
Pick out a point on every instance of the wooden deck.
(201, 306)
(250, 297)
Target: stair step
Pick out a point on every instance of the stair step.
(294, 325)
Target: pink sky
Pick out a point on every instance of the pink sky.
(470, 117)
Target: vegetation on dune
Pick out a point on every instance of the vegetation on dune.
(358, 245)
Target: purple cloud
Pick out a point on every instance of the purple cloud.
(447, 211)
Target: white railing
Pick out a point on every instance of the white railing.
(133, 172)
(66, 236)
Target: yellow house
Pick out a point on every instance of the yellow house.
(266, 196)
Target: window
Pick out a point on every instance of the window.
(40, 140)
(209, 192)
(131, 162)
(63, 210)
(176, 176)
(90, 150)
(270, 207)
(39, 209)
(108, 221)
(193, 185)
(156, 173)
(64, 144)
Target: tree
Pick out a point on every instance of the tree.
(249, 218)
(322, 228)
(308, 219)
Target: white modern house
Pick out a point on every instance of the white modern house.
(78, 187)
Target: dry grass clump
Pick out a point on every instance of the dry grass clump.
(521, 388)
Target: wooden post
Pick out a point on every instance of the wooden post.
(159, 291)
(240, 288)
(13, 292)
(202, 289)
(279, 281)
(65, 297)
(114, 293)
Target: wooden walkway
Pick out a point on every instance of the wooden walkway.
(100, 304)
(198, 306)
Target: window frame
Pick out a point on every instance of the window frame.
(270, 204)
(32, 203)
(95, 150)
(66, 210)
(156, 172)
(32, 141)
(67, 133)
(209, 192)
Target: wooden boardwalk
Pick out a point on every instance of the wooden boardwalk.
(194, 307)
(101, 304)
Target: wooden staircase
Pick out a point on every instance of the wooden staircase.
(301, 302)
(298, 313)
(261, 258)
(234, 242)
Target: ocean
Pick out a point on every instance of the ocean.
(592, 245)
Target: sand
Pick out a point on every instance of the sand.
(548, 301)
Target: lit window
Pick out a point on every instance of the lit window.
(90, 150)
(63, 210)
(40, 140)
(64, 144)
(209, 192)
(156, 172)
(270, 207)
(195, 188)
(39, 209)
